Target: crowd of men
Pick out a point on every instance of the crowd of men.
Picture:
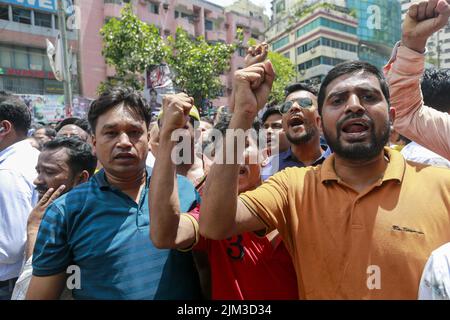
(325, 206)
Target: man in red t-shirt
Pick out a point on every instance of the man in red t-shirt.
(242, 267)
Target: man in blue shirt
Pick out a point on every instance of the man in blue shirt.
(100, 229)
(302, 125)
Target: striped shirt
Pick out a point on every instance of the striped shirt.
(106, 234)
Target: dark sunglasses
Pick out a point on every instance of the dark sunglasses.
(302, 102)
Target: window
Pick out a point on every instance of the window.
(280, 6)
(21, 15)
(328, 43)
(42, 19)
(154, 8)
(208, 25)
(324, 22)
(4, 14)
(242, 52)
(287, 55)
(5, 57)
(36, 59)
(177, 14)
(280, 43)
(21, 59)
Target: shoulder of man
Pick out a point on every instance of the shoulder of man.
(188, 196)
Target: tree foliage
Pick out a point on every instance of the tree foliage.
(130, 46)
(285, 73)
(198, 65)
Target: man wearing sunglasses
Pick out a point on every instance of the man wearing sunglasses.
(302, 125)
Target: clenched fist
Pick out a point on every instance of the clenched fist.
(176, 108)
(422, 20)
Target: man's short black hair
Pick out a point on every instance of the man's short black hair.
(79, 152)
(351, 67)
(270, 111)
(50, 132)
(115, 96)
(299, 87)
(435, 87)
(15, 111)
(224, 122)
(82, 123)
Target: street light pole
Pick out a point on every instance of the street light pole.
(67, 76)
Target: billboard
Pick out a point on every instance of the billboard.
(50, 108)
(41, 5)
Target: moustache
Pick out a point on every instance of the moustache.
(41, 189)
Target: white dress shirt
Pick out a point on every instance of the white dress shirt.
(435, 282)
(17, 198)
(415, 152)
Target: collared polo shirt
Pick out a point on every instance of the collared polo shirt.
(349, 245)
(287, 159)
(105, 233)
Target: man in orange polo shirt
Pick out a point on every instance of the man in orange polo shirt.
(359, 226)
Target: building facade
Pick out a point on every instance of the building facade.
(197, 17)
(438, 45)
(24, 66)
(315, 40)
(316, 35)
(26, 24)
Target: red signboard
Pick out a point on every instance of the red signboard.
(30, 73)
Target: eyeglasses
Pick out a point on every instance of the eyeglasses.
(302, 102)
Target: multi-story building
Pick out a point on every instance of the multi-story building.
(24, 65)
(197, 17)
(365, 30)
(25, 24)
(379, 28)
(438, 45)
(315, 40)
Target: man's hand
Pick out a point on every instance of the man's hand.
(252, 87)
(256, 54)
(36, 215)
(176, 108)
(422, 20)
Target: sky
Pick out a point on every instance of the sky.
(265, 3)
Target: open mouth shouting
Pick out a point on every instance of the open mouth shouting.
(296, 123)
(356, 129)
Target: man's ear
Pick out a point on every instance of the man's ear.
(5, 127)
(94, 143)
(391, 115)
(84, 176)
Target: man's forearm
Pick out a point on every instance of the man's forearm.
(32, 232)
(164, 204)
(428, 127)
(219, 206)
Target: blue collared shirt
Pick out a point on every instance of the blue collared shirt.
(287, 159)
(17, 198)
(105, 233)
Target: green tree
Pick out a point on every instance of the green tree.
(197, 65)
(285, 73)
(130, 46)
